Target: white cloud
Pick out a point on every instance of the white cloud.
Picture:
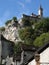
(21, 4)
(4, 17)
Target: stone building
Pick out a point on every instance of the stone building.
(33, 17)
(42, 56)
(7, 55)
(26, 52)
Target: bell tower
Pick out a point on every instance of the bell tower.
(40, 11)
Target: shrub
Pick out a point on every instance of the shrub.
(42, 39)
(2, 29)
(7, 22)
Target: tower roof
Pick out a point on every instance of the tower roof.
(41, 7)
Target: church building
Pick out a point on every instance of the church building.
(40, 14)
(32, 17)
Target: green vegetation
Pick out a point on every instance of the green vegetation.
(17, 47)
(15, 18)
(26, 22)
(26, 35)
(2, 28)
(42, 39)
(43, 25)
(38, 36)
(7, 22)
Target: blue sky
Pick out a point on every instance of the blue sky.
(11, 8)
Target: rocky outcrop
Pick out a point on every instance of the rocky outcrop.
(11, 31)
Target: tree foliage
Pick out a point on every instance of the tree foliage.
(7, 22)
(43, 25)
(26, 34)
(17, 48)
(26, 22)
(2, 28)
(15, 18)
(37, 36)
(42, 39)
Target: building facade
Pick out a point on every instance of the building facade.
(44, 56)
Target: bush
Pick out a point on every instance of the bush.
(26, 35)
(7, 22)
(26, 22)
(42, 39)
(15, 18)
(2, 29)
(43, 25)
(17, 47)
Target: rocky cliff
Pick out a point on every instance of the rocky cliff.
(11, 31)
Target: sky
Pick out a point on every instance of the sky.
(11, 8)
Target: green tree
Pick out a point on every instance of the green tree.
(2, 28)
(26, 22)
(42, 39)
(43, 25)
(17, 48)
(7, 22)
(28, 41)
(15, 18)
(26, 34)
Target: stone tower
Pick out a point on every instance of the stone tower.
(40, 11)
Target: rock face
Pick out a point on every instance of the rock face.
(11, 32)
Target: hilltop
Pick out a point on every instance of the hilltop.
(28, 31)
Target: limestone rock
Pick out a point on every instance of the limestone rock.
(11, 32)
